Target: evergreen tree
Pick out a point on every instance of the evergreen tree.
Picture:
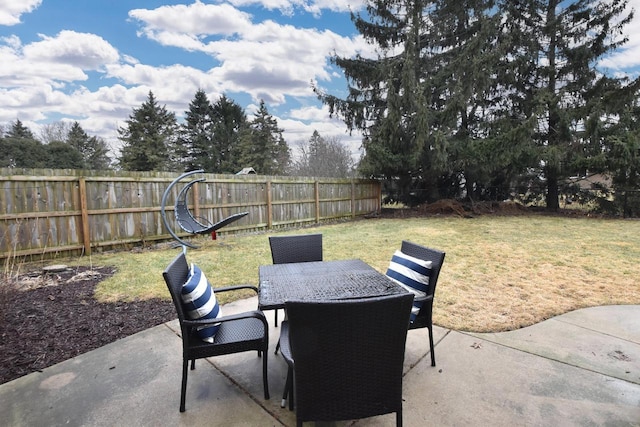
(19, 131)
(197, 149)
(149, 139)
(611, 145)
(463, 93)
(229, 121)
(62, 155)
(262, 145)
(94, 150)
(476, 92)
(20, 149)
(385, 99)
(551, 77)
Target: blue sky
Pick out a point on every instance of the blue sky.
(95, 60)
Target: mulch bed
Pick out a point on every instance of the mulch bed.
(46, 318)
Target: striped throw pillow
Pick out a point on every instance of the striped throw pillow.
(199, 302)
(413, 275)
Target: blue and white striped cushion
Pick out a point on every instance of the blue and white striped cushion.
(199, 302)
(412, 274)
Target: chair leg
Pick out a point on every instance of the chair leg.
(277, 347)
(288, 390)
(399, 418)
(265, 377)
(183, 390)
(283, 402)
(276, 316)
(193, 364)
(291, 397)
(433, 356)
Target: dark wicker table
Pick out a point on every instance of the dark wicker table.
(322, 280)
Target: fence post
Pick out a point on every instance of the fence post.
(269, 207)
(196, 203)
(316, 190)
(84, 215)
(353, 199)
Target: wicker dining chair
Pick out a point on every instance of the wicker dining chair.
(423, 319)
(345, 357)
(236, 333)
(297, 248)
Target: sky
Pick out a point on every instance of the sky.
(94, 61)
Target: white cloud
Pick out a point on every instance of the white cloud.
(268, 60)
(82, 50)
(311, 113)
(53, 61)
(11, 10)
(628, 56)
(288, 7)
(196, 19)
(19, 70)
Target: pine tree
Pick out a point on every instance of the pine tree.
(197, 149)
(551, 77)
(19, 130)
(476, 92)
(62, 155)
(149, 138)
(93, 149)
(229, 121)
(385, 99)
(262, 145)
(20, 149)
(610, 144)
(463, 92)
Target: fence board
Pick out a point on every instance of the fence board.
(68, 212)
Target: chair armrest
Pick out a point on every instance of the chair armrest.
(246, 315)
(423, 298)
(235, 288)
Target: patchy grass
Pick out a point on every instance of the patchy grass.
(500, 273)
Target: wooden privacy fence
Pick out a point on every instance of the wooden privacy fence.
(69, 212)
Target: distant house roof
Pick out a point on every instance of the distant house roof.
(588, 182)
(247, 171)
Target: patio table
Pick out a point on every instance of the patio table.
(321, 280)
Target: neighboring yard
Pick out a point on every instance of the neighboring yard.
(500, 272)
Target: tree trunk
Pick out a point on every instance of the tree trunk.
(552, 199)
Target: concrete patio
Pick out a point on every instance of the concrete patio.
(578, 369)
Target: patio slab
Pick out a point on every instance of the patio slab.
(585, 339)
(537, 376)
(133, 381)
(480, 383)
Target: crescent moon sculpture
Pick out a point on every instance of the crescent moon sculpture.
(183, 215)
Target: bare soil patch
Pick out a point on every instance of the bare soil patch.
(46, 318)
(450, 207)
